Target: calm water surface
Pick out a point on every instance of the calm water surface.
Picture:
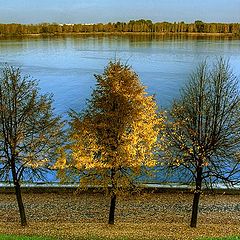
(65, 66)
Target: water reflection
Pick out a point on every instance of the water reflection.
(65, 64)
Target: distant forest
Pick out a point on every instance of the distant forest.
(133, 26)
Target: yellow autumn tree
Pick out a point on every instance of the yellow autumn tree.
(116, 135)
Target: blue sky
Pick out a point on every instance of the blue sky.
(93, 11)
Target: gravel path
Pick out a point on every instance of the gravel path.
(167, 209)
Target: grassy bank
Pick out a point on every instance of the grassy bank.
(19, 237)
(224, 238)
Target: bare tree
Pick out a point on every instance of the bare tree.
(203, 133)
(29, 132)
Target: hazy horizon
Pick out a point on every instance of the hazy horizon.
(94, 11)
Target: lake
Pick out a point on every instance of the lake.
(65, 66)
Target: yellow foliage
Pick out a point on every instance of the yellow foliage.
(118, 132)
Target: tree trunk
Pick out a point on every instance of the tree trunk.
(112, 209)
(196, 198)
(20, 203)
(18, 192)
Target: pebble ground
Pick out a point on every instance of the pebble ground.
(145, 216)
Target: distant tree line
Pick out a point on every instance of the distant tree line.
(138, 26)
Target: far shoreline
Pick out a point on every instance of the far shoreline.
(164, 34)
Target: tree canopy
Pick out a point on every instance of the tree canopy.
(116, 135)
(203, 132)
(29, 132)
(137, 26)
